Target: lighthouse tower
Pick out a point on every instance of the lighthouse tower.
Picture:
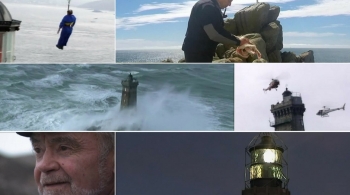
(8, 27)
(266, 167)
(289, 113)
(129, 93)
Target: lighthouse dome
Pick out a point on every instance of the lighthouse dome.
(4, 13)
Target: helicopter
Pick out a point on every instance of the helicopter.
(274, 84)
(325, 111)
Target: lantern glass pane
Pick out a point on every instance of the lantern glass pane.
(8, 44)
(266, 171)
(266, 156)
(2, 56)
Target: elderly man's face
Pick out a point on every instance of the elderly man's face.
(70, 163)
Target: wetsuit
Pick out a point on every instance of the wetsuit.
(205, 31)
(67, 25)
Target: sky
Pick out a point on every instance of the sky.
(319, 85)
(12, 145)
(145, 24)
(213, 163)
(58, 2)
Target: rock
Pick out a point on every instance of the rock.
(229, 53)
(273, 14)
(230, 26)
(288, 56)
(306, 57)
(235, 59)
(233, 54)
(259, 42)
(275, 56)
(222, 61)
(259, 23)
(251, 19)
(270, 34)
(220, 50)
(182, 60)
(168, 60)
(215, 58)
(261, 60)
(279, 43)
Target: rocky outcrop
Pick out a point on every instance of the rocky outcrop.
(168, 60)
(259, 23)
(306, 57)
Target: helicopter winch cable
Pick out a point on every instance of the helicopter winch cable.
(68, 4)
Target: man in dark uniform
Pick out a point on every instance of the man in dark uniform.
(73, 163)
(206, 30)
(66, 25)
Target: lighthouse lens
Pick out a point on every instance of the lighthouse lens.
(266, 171)
(266, 156)
(269, 156)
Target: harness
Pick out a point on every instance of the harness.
(69, 24)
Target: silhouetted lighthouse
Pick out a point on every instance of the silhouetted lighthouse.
(129, 93)
(8, 26)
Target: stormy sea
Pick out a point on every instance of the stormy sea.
(321, 55)
(92, 40)
(87, 97)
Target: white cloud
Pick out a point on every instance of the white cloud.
(310, 34)
(163, 6)
(173, 12)
(332, 26)
(321, 8)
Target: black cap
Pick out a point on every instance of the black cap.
(25, 134)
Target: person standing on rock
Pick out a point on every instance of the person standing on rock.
(206, 30)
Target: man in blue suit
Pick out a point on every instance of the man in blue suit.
(66, 25)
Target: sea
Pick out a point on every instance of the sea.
(321, 55)
(87, 97)
(92, 40)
